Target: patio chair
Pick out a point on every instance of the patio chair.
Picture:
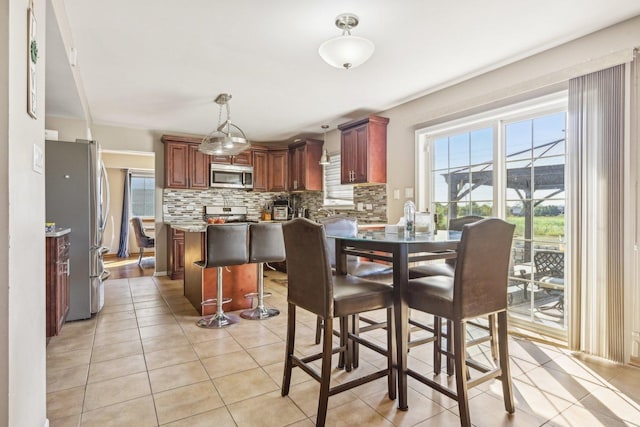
(549, 275)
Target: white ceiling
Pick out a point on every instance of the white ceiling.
(159, 64)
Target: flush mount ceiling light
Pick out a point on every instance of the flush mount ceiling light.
(324, 159)
(227, 139)
(346, 51)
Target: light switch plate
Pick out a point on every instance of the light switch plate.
(360, 206)
(396, 194)
(408, 192)
(38, 159)
(368, 206)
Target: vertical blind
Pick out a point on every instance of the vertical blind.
(596, 166)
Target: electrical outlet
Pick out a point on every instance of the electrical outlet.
(368, 206)
(360, 206)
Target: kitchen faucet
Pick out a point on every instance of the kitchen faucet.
(329, 212)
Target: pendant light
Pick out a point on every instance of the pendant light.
(227, 139)
(324, 159)
(346, 51)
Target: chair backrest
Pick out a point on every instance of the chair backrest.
(142, 240)
(480, 280)
(338, 226)
(309, 280)
(549, 263)
(227, 244)
(266, 242)
(456, 224)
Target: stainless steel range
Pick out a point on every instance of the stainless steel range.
(227, 213)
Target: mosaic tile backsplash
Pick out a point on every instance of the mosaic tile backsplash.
(188, 205)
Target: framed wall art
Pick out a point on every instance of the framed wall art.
(32, 71)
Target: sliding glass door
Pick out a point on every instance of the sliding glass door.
(511, 165)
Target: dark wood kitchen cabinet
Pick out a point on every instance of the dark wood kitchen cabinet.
(185, 165)
(260, 170)
(176, 253)
(245, 158)
(278, 168)
(305, 172)
(57, 283)
(363, 148)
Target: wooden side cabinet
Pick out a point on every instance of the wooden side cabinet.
(363, 148)
(305, 172)
(185, 165)
(57, 282)
(176, 253)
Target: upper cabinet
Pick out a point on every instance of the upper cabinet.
(185, 166)
(260, 170)
(363, 147)
(305, 172)
(244, 158)
(277, 169)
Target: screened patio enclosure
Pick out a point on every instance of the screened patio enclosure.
(535, 200)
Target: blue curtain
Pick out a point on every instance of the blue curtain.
(123, 249)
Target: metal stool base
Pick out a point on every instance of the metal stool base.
(217, 321)
(259, 313)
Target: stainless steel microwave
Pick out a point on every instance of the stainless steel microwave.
(231, 176)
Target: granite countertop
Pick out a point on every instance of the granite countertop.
(190, 226)
(57, 232)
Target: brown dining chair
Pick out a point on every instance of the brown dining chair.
(341, 225)
(477, 288)
(142, 240)
(312, 287)
(446, 268)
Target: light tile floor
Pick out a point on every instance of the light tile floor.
(142, 361)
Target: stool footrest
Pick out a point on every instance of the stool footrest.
(214, 301)
(257, 294)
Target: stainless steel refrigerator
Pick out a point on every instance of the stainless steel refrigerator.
(77, 197)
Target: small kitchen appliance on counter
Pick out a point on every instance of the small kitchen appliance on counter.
(280, 210)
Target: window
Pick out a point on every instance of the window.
(335, 193)
(508, 163)
(142, 193)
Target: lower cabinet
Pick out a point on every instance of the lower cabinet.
(176, 253)
(57, 282)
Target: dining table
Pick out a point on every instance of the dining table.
(399, 249)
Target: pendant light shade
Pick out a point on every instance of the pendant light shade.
(227, 139)
(346, 51)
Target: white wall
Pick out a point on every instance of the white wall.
(528, 76)
(22, 251)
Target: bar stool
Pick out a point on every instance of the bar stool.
(226, 245)
(266, 244)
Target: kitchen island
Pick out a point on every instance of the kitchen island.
(200, 283)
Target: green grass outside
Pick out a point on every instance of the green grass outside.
(543, 226)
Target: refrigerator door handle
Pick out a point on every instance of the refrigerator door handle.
(105, 187)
